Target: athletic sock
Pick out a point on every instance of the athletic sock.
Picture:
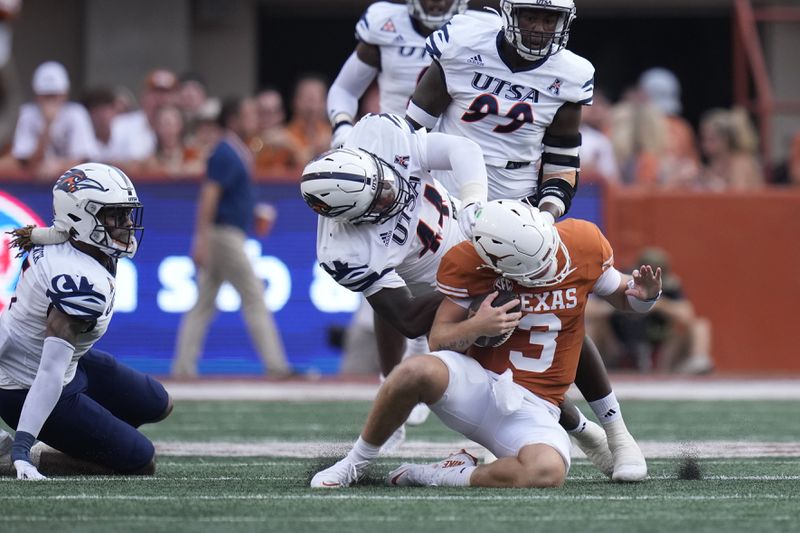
(363, 451)
(582, 421)
(607, 409)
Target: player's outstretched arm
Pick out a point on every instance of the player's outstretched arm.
(410, 315)
(638, 292)
(430, 98)
(357, 73)
(57, 351)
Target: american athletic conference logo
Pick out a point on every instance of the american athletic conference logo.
(13, 214)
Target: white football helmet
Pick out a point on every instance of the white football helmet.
(517, 242)
(434, 22)
(86, 196)
(354, 185)
(554, 41)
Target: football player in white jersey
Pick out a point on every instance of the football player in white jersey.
(509, 84)
(391, 46)
(54, 385)
(385, 222)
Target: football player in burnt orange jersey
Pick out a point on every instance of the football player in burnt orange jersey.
(505, 397)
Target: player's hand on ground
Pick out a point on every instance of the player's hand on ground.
(466, 218)
(492, 321)
(25, 470)
(646, 283)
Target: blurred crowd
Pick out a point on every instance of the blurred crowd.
(167, 132)
(642, 139)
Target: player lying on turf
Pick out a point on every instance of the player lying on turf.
(503, 397)
(54, 385)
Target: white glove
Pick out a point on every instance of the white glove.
(25, 470)
(466, 218)
(340, 135)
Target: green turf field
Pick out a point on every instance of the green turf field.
(261, 493)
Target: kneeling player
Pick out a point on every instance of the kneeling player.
(505, 397)
(54, 385)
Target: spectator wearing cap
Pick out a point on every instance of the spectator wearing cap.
(52, 133)
(680, 162)
(133, 137)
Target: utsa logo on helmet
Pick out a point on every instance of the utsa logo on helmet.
(75, 180)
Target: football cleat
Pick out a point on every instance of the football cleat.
(431, 475)
(629, 462)
(395, 440)
(342, 474)
(593, 442)
(419, 414)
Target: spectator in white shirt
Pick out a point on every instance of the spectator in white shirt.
(132, 137)
(100, 103)
(52, 133)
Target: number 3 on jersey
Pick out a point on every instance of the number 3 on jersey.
(544, 330)
(487, 104)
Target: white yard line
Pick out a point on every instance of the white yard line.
(438, 450)
(625, 388)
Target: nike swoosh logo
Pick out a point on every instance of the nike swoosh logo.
(326, 484)
(395, 478)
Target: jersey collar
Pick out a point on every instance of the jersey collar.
(530, 66)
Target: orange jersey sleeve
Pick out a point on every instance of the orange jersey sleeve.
(543, 351)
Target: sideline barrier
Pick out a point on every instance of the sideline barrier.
(157, 287)
(737, 255)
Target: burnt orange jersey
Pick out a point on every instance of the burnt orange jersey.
(543, 351)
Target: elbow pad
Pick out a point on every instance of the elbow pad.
(560, 170)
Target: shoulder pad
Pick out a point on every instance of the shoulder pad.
(77, 296)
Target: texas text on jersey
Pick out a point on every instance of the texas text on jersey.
(543, 351)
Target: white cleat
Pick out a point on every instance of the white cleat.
(342, 474)
(419, 414)
(430, 475)
(593, 442)
(395, 440)
(629, 462)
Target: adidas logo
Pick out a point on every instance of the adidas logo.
(610, 412)
(476, 60)
(386, 237)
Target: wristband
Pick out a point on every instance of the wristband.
(340, 119)
(20, 450)
(641, 306)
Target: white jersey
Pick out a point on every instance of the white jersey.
(407, 248)
(67, 279)
(403, 56)
(505, 111)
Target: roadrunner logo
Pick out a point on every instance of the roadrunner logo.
(76, 180)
